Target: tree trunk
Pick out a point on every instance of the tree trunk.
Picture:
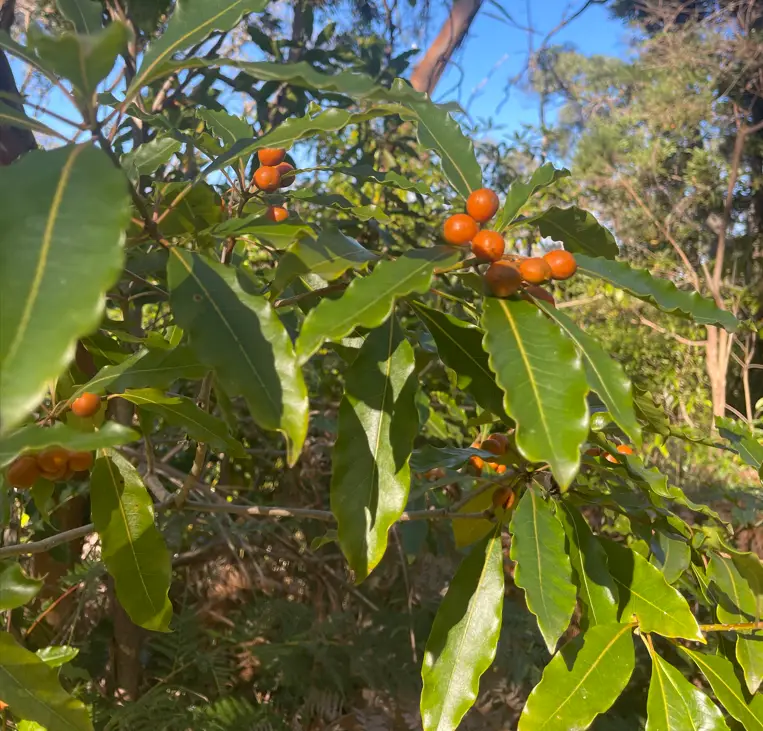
(431, 67)
(716, 365)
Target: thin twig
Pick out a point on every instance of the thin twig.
(201, 447)
(740, 627)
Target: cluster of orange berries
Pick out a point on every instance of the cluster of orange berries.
(274, 173)
(598, 452)
(51, 464)
(504, 277)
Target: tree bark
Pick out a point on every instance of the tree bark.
(716, 366)
(431, 67)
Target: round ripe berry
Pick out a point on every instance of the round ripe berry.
(503, 497)
(277, 214)
(460, 229)
(288, 176)
(624, 449)
(477, 463)
(271, 156)
(503, 278)
(482, 205)
(267, 178)
(496, 444)
(86, 405)
(80, 461)
(488, 245)
(534, 292)
(23, 472)
(53, 460)
(535, 270)
(562, 263)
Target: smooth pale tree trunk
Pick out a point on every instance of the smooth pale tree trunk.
(716, 365)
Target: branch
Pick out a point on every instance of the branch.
(675, 336)
(741, 627)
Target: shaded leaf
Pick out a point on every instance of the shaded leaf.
(57, 655)
(85, 15)
(447, 457)
(377, 424)
(146, 158)
(278, 235)
(745, 444)
(542, 376)
(670, 554)
(157, 368)
(16, 588)
(225, 126)
(464, 636)
(520, 192)
(15, 118)
(578, 230)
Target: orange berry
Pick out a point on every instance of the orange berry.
(624, 449)
(482, 205)
(477, 462)
(459, 229)
(503, 497)
(533, 291)
(503, 278)
(488, 245)
(288, 176)
(502, 440)
(562, 263)
(271, 156)
(86, 405)
(267, 178)
(498, 468)
(535, 270)
(611, 458)
(53, 460)
(277, 214)
(495, 445)
(593, 452)
(23, 472)
(80, 461)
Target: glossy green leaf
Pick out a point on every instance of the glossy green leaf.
(33, 438)
(582, 680)
(675, 704)
(737, 603)
(133, 549)
(464, 637)
(192, 21)
(16, 588)
(459, 345)
(728, 690)
(369, 301)
(15, 118)
(670, 554)
(85, 15)
(146, 158)
(605, 376)
(745, 444)
(542, 375)
(469, 530)
(661, 293)
(341, 203)
(156, 368)
(57, 655)
(48, 240)
(389, 179)
(181, 411)
(32, 691)
(26, 54)
(596, 588)
(578, 230)
(520, 192)
(228, 128)
(329, 256)
(377, 424)
(645, 594)
(277, 235)
(543, 567)
(240, 336)
(430, 456)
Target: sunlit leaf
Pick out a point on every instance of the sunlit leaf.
(520, 192)
(578, 230)
(16, 588)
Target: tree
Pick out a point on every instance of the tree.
(152, 295)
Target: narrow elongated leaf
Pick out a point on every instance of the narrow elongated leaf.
(240, 336)
(596, 588)
(520, 192)
(181, 411)
(225, 126)
(157, 368)
(657, 606)
(377, 425)
(545, 388)
(48, 240)
(674, 704)
(277, 235)
(582, 680)
(32, 691)
(605, 375)
(578, 230)
(661, 293)
(389, 179)
(133, 549)
(736, 604)
(671, 555)
(191, 22)
(464, 636)
(15, 118)
(33, 438)
(143, 160)
(85, 15)
(543, 567)
(369, 301)
(459, 345)
(16, 588)
(728, 690)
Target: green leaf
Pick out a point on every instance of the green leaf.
(225, 126)
(57, 655)
(727, 689)
(377, 424)
(15, 118)
(745, 444)
(464, 637)
(278, 235)
(191, 22)
(657, 606)
(26, 54)
(369, 301)
(85, 15)
(329, 256)
(49, 240)
(543, 567)
(339, 202)
(670, 554)
(146, 158)
(661, 293)
(605, 376)
(582, 680)
(240, 336)
(390, 179)
(521, 192)
(181, 411)
(16, 588)
(469, 530)
(133, 549)
(451, 457)
(32, 691)
(596, 588)
(459, 345)
(737, 604)
(578, 230)
(156, 368)
(33, 438)
(541, 373)
(674, 703)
